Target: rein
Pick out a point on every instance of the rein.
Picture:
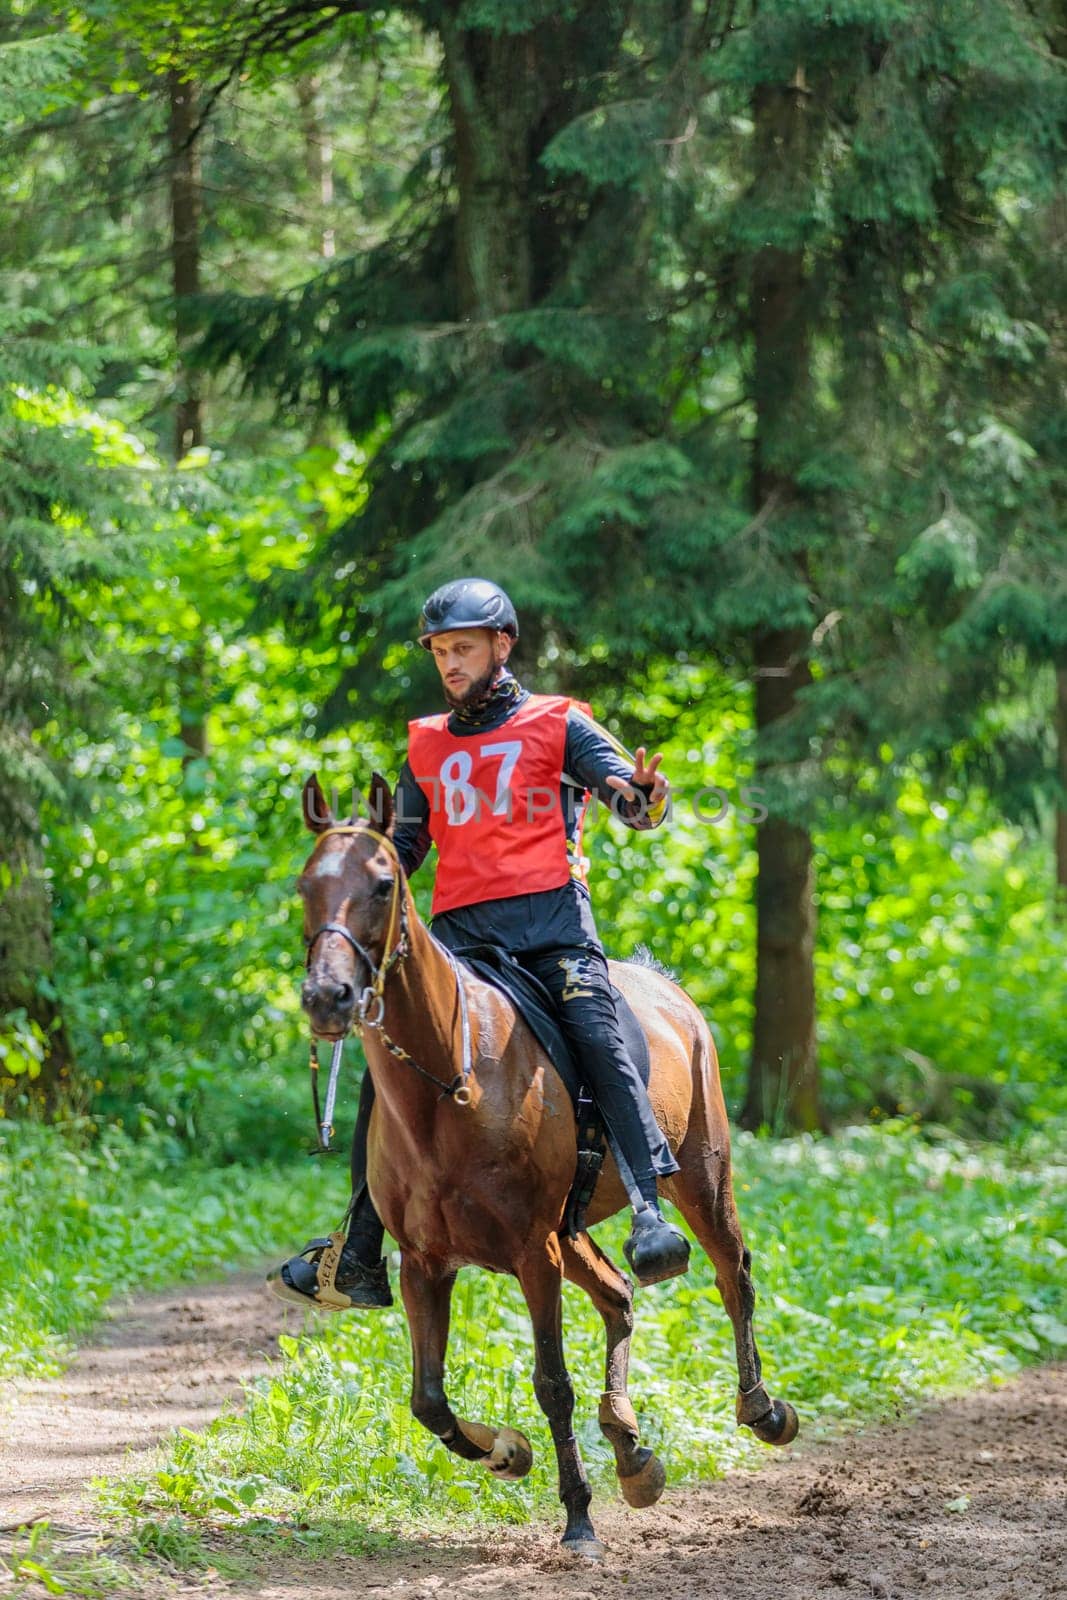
(370, 1008)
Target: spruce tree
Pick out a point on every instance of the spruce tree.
(64, 513)
(989, 575)
(664, 343)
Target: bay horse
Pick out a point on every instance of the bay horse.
(481, 1178)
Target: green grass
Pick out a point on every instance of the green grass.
(63, 1562)
(891, 1266)
(81, 1221)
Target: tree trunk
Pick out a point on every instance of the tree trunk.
(783, 1083)
(185, 198)
(493, 88)
(319, 148)
(509, 94)
(185, 253)
(26, 971)
(783, 1073)
(192, 695)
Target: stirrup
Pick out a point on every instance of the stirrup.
(309, 1279)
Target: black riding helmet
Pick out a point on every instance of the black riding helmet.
(467, 603)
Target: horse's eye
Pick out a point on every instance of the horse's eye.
(384, 887)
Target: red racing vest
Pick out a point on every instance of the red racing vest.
(494, 799)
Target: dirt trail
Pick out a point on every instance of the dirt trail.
(864, 1517)
(161, 1361)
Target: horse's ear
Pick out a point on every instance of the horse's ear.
(380, 805)
(317, 814)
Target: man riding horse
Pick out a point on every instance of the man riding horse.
(513, 875)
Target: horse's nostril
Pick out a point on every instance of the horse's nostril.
(327, 994)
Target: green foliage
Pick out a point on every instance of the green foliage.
(590, 437)
(173, 884)
(611, 146)
(560, 389)
(35, 72)
(71, 499)
(936, 951)
(84, 1219)
(63, 524)
(22, 1045)
(302, 149)
(482, 395)
(936, 944)
(888, 1267)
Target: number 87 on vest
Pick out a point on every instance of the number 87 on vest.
(494, 803)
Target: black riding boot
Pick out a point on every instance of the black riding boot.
(579, 982)
(361, 1273)
(656, 1249)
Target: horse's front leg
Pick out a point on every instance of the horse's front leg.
(427, 1292)
(541, 1278)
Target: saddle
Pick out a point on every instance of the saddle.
(535, 1005)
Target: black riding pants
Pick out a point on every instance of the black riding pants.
(553, 935)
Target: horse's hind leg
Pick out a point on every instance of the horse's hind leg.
(703, 1194)
(641, 1476)
(505, 1452)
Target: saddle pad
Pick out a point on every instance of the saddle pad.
(535, 1005)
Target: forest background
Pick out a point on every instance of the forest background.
(731, 339)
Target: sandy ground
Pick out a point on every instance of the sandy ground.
(863, 1517)
(162, 1361)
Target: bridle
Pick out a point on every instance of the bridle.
(370, 1007)
(372, 994)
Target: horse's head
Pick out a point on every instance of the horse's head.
(352, 904)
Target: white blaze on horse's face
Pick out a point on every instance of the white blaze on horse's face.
(331, 866)
(340, 885)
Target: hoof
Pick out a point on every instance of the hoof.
(584, 1549)
(779, 1426)
(511, 1456)
(644, 1487)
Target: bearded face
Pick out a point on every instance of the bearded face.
(468, 660)
(478, 687)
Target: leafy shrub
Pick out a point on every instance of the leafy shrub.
(82, 1220)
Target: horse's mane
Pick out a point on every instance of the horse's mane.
(643, 957)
